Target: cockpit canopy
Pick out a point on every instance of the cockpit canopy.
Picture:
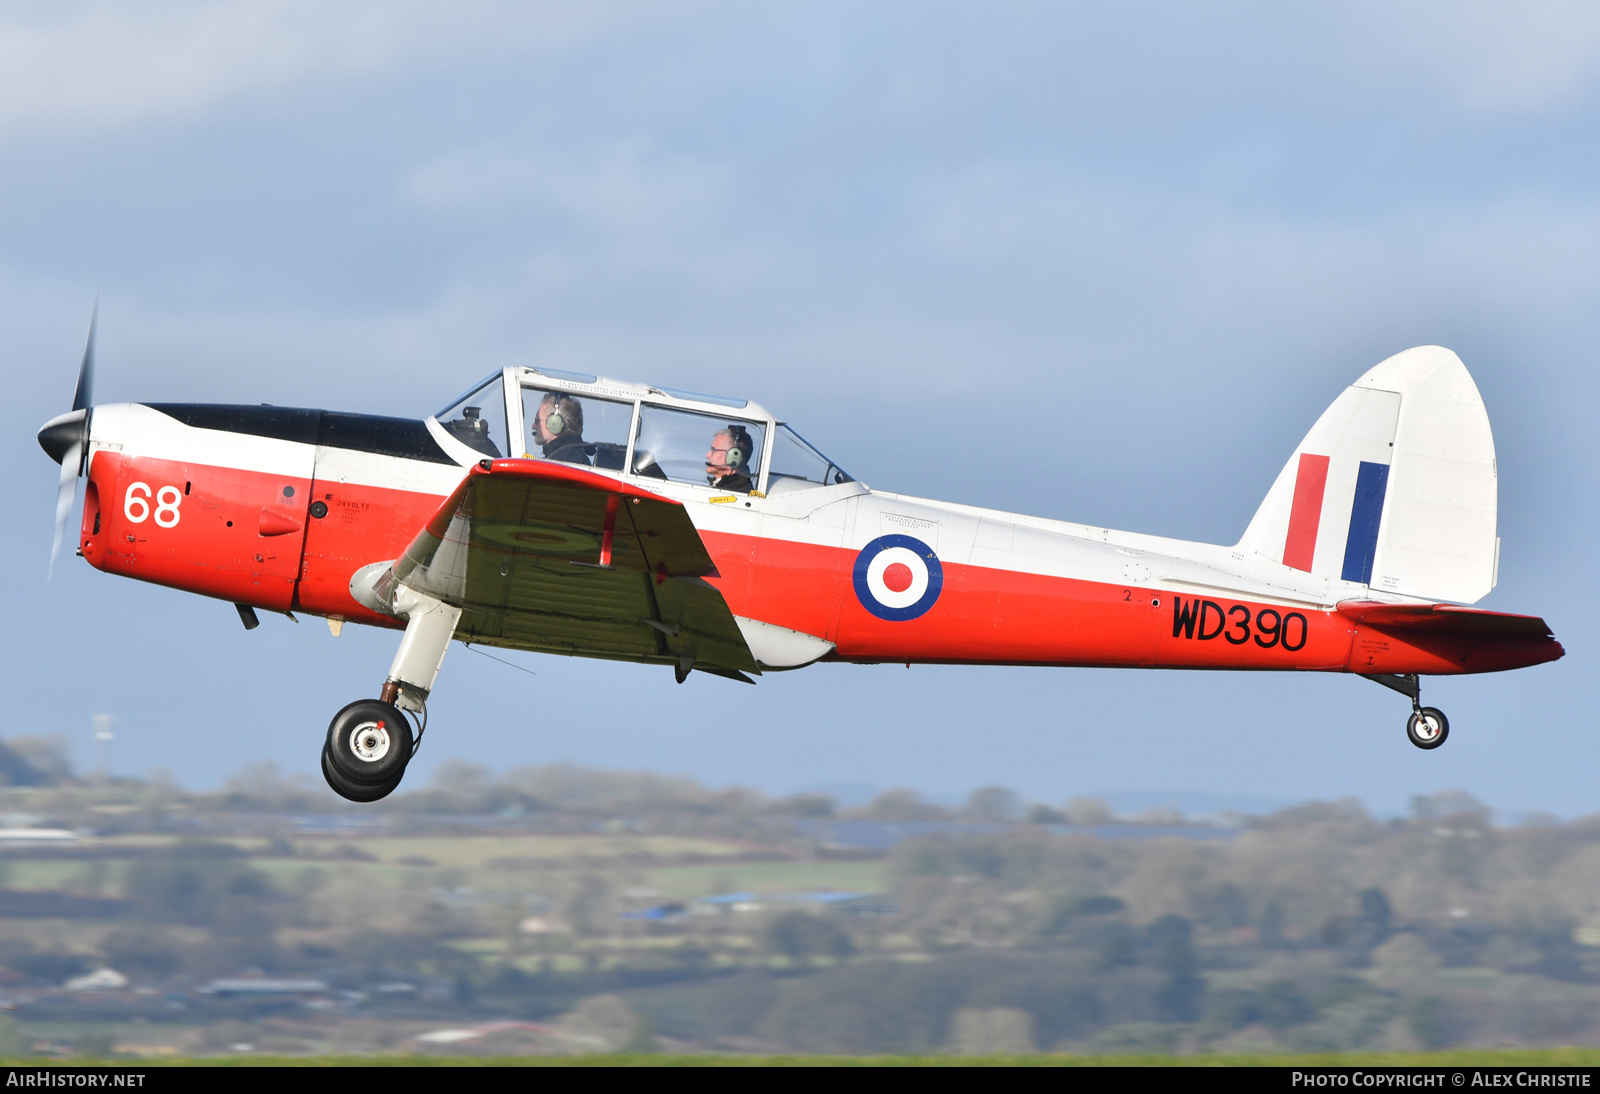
(726, 445)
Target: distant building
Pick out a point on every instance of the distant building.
(475, 1033)
(251, 985)
(863, 904)
(659, 912)
(38, 835)
(99, 980)
(538, 924)
(728, 903)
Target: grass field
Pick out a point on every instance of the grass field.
(1496, 1058)
(679, 868)
(688, 882)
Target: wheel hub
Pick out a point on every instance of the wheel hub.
(369, 741)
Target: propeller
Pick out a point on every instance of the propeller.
(66, 439)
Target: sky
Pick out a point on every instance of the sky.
(1104, 263)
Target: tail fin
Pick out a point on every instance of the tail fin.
(1394, 487)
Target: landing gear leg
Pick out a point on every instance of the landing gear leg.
(370, 742)
(1427, 727)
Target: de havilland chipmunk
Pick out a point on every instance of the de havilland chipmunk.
(562, 513)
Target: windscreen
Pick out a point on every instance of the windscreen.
(798, 466)
(478, 418)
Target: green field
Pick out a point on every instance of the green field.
(688, 882)
(678, 868)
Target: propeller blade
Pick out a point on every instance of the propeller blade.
(64, 494)
(83, 397)
(64, 439)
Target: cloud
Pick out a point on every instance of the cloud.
(1489, 56)
(68, 66)
(105, 64)
(616, 212)
(626, 187)
(1128, 61)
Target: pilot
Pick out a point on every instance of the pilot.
(728, 460)
(558, 429)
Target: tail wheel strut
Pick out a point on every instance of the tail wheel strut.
(1427, 727)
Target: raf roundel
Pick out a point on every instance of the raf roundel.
(898, 578)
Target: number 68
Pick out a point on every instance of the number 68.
(136, 504)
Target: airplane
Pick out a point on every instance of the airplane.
(564, 513)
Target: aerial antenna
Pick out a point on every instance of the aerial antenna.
(103, 737)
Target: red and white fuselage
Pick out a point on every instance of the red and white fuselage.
(278, 509)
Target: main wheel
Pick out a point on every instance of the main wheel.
(369, 742)
(1428, 727)
(354, 791)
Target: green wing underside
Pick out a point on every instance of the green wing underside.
(518, 547)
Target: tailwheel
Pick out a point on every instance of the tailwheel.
(369, 744)
(1428, 727)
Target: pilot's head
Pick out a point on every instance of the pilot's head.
(559, 416)
(729, 453)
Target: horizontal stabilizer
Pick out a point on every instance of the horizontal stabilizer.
(1444, 619)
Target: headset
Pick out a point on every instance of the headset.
(555, 423)
(740, 449)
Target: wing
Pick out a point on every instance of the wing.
(1444, 620)
(551, 557)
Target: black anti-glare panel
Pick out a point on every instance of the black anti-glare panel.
(405, 438)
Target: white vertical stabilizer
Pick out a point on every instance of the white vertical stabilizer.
(1394, 487)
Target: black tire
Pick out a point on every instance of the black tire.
(369, 742)
(353, 791)
(1425, 735)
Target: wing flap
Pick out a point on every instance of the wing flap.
(545, 556)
